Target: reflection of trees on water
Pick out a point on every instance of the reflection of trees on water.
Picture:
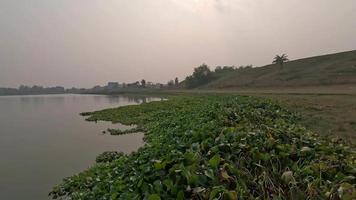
(42, 99)
(129, 99)
(119, 99)
(58, 100)
(97, 99)
(37, 102)
(142, 99)
(115, 99)
(136, 99)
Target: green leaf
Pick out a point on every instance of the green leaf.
(154, 197)
(231, 195)
(168, 183)
(157, 186)
(214, 161)
(180, 195)
(114, 195)
(214, 193)
(159, 165)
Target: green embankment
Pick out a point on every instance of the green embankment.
(217, 147)
(332, 69)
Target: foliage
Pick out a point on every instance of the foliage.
(123, 132)
(108, 156)
(220, 69)
(280, 59)
(143, 83)
(218, 147)
(170, 83)
(201, 75)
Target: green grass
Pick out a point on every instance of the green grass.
(330, 69)
(217, 147)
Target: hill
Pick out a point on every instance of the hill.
(332, 69)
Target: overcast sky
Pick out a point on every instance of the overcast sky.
(87, 42)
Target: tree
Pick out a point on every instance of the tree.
(201, 72)
(200, 76)
(218, 69)
(176, 81)
(170, 83)
(143, 83)
(280, 59)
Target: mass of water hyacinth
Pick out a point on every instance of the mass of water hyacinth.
(217, 147)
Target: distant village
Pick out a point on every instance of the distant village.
(111, 87)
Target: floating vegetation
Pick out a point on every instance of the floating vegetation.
(123, 132)
(108, 156)
(217, 147)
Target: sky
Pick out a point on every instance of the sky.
(83, 43)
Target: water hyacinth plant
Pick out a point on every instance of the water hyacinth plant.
(217, 147)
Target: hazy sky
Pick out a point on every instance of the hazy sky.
(87, 42)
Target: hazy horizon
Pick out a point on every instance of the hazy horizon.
(86, 43)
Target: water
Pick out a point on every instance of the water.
(44, 139)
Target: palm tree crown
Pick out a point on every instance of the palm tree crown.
(280, 59)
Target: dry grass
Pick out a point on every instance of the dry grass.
(327, 114)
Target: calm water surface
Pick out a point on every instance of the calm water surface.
(44, 139)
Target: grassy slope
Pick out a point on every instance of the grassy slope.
(330, 69)
(325, 114)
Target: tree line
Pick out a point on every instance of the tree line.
(28, 90)
(203, 75)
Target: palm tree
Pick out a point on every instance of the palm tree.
(280, 59)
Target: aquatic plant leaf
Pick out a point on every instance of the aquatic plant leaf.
(154, 197)
(217, 147)
(214, 161)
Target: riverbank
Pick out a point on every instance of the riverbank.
(218, 146)
(329, 110)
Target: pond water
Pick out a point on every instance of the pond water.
(44, 139)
